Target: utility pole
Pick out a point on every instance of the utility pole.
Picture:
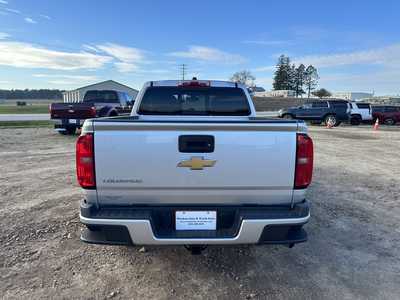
(183, 70)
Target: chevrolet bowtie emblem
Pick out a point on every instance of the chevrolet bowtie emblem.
(197, 163)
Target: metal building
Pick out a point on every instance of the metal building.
(78, 94)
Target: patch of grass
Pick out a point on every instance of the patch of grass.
(28, 109)
(23, 124)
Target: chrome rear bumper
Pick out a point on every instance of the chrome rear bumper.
(142, 226)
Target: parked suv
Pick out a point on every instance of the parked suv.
(360, 112)
(389, 115)
(330, 112)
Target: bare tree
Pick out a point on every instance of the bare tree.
(311, 79)
(245, 77)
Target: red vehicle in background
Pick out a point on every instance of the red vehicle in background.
(68, 117)
(388, 115)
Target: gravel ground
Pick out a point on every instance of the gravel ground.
(352, 252)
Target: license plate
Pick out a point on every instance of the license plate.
(196, 220)
(72, 121)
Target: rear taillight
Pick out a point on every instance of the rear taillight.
(85, 161)
(304, 161)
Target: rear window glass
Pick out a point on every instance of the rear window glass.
(101, 97)
(363, 105)
(378, 108)
(209, 101)
(320, 104)
(390, 109)
(338, 104)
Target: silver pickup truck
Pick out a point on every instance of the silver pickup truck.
(193, 165)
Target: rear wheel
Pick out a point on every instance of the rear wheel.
(63, 132)
(330, 120)
(287, 116)
(389, 121)
(355, 120)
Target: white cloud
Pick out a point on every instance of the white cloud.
(61, 82)
(3, 2)
(4, 35)
(66, 76)
(90, 48)
(264, 69)
(125, 67)
(24, 55)
(11, 10)
(125, 54)
(29, 20)
(386, 56)
(127, 59)
(209, 55)
(45, 17)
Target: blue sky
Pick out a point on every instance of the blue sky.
(66, 44)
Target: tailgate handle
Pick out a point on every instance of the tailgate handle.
(196, 143)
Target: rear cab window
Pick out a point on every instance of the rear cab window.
(198, 101)
(101, 97)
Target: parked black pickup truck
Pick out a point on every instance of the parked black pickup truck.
(96, 103)
(330, 112)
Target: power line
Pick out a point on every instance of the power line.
(183, 70)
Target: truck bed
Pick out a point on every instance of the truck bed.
(254, 161)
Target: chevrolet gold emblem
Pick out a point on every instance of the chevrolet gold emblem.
(197, 163)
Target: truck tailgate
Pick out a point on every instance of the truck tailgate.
(72, 111)
(137, 163)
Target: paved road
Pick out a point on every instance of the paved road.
(24, 117)
(41, 117)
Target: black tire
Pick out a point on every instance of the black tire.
(287, 116)
(337, 123)
(71, 130)
(113, 114)
(355, 120)
(63, 132)
(330, 119)
(389, 121)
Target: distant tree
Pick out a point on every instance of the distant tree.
(283, 74)
(245, 77)
(299, 78)
(31, 94)
(311, 79)
(321, 93)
